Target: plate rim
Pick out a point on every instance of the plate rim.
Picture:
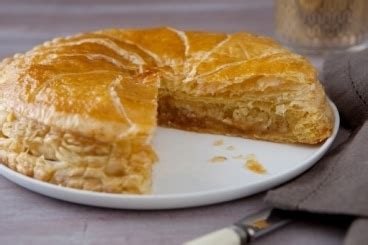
(168, 201)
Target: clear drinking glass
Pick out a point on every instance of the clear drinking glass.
(319, 26)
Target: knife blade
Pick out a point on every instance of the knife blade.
(245, 230)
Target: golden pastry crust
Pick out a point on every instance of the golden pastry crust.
(107, 89)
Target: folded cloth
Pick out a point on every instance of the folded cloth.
(338, 183)
(346, 82)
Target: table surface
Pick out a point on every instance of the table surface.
(29, 218)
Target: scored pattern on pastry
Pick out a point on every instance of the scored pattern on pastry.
(80, 111)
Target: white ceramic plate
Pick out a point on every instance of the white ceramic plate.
(185, 176)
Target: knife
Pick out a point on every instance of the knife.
(245, 230)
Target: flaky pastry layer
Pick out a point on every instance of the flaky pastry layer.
(71, 160)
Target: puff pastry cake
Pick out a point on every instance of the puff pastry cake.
(80, 111)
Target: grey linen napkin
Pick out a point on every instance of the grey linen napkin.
(338, 183)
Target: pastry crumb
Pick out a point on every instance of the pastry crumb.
(218, 142)
(218, 159)
(261, 224)
(254, 165)
(230, 148)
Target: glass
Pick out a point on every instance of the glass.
(317, 26)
